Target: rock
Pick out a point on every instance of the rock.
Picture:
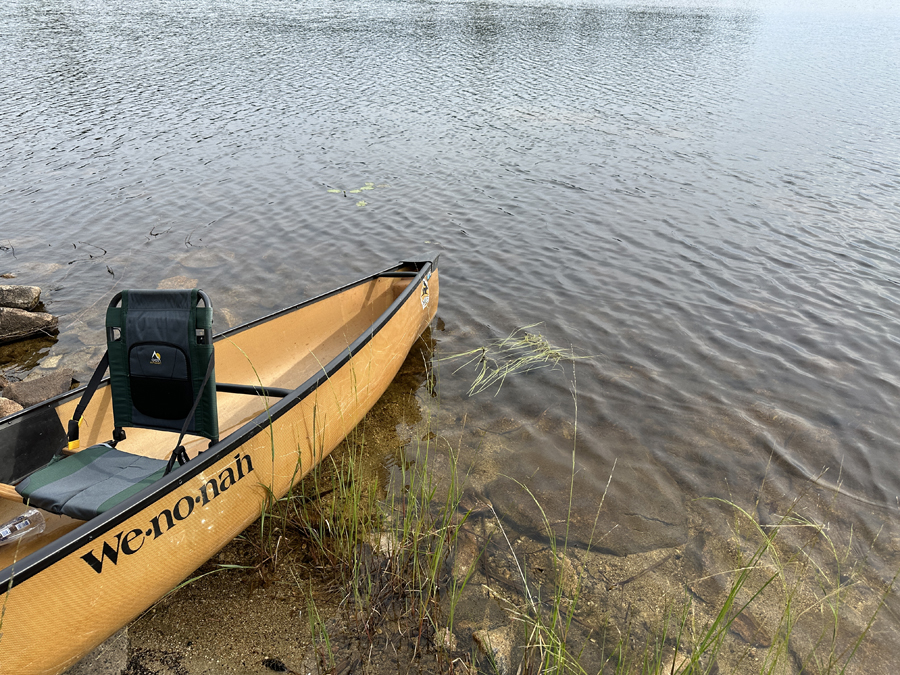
(497, 645)
(51, 362)
(8, 407)
(83, 362)
(18, 324)
(678, 662)
(20, 297)
(177, 282)
(231, 318)
(751, 631)
(445, 640)
(309, 663)
(568, 577)
(204, 258)
(32, 392)
(466, 554)
(479, 527)
(385, 543)
(628, 523)
(3, 381)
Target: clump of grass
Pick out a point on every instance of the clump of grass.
(388, 547)
(519, 352)
(319, 632)
(422, 530)
(335, 508)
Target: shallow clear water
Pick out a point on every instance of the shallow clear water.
(704, 198)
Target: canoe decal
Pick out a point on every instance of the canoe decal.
(425, 293)
(129, 543)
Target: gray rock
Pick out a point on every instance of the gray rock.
(178, 282)
(445, 640)
(205, 258)
(8, 407)
(32, 392)
(20, 297)
(18, 324)
(497, 645)
(616, 529)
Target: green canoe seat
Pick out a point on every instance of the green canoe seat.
(90, 482)
(161, 371)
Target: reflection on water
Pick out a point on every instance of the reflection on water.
(702, 198)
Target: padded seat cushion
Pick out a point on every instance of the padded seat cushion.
(90, 482)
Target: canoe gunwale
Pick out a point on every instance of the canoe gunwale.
(91, 530)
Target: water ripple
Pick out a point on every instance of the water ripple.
(703, 199)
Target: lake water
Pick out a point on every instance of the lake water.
(701, 197)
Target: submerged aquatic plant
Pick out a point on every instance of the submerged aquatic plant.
(519, 352)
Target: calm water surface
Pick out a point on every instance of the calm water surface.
(704, 198)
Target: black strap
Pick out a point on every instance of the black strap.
(179, 454)
(75, 422)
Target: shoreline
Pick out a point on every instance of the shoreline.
(255, 608)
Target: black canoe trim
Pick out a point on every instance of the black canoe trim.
(252, 390)
(24, 569)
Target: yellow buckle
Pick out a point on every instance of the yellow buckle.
(74, 445)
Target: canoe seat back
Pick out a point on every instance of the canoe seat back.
(160, 352)
(161, 364)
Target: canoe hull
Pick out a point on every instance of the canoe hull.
(144, 550)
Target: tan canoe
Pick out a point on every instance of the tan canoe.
(65, 591)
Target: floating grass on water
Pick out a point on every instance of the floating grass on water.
(356, 191)
(519, 352)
